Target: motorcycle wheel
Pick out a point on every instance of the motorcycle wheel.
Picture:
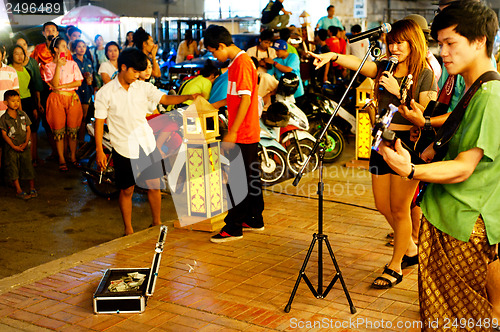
(293, 158)
(273, 171)
(333, 143)
(103, 189)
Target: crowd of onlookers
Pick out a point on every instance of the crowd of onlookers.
(55, 83)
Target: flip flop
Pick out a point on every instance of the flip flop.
(63, 167)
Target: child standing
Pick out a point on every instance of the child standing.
(15, 126)
(244, 131)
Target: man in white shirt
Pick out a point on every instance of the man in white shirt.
(123, 102)
(263, 50)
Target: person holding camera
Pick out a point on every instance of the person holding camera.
(263, 51)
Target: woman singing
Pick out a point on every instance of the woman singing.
(393, 194)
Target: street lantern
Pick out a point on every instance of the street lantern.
(364, 107)
(205, 203)
(305, 19)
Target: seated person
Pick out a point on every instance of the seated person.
(202, 83)
(263, 50)
(284, 63)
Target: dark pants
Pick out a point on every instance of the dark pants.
(249, 211)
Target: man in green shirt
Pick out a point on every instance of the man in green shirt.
(460, 227)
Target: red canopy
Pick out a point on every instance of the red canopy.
(90, 14)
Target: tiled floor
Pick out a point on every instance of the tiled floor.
(242, 285)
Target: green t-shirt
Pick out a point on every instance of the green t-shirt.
(199, 84)
(24, 82)
(454, 208)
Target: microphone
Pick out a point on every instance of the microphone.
(385, 28)
(391, 65)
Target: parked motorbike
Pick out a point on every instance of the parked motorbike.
(272, 155)
(319, 110)
(294, 135)
(101, 183)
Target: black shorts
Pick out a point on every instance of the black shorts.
(130, 172)
(378, 166)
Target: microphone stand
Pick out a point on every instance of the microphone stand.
(320, 237)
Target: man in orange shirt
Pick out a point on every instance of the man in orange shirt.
(244, 131)
(42, 55)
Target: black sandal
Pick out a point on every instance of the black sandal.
(387, 283)
(409, 261)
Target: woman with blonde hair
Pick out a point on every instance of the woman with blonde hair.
(393, 194)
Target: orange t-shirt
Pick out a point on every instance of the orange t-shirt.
(42, 55)
(242, 80)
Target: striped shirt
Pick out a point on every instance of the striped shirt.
(8, 81)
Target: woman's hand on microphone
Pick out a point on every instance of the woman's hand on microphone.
(389, 83)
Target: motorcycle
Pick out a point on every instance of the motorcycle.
(319, 110)
(101, 183)
(294, 135)
(272, 155)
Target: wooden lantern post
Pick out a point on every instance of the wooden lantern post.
(204, 192)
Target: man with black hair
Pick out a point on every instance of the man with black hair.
(329, 20)
(321, 75)
(285, 35)
(123, 102)
(263, 50)
(271, 17)
(460, 227)
(243, 130)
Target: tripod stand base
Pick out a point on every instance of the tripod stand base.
(319, 293)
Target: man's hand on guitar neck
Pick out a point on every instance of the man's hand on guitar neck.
(415, 114)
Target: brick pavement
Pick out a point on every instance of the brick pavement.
(236, 286)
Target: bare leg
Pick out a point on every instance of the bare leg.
(125, 202)
(416, 215)
(493, 288)
(60, 150)
(401, 194)
(17, 186)
(154, 197)
(381, 192)
(72, 148)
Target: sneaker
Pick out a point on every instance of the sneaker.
(247, 227)
(223, 236)
(33, 193)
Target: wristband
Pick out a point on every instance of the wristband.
(410, 176)
(336, 57)
(427, 125)
(275, 63)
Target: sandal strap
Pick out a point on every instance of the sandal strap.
(387, 282)
(393, 274)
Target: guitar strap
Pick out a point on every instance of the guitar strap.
(450, 126)
(447, 90)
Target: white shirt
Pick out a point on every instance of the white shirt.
(108, 68)
(126, 112)
(257, 53)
